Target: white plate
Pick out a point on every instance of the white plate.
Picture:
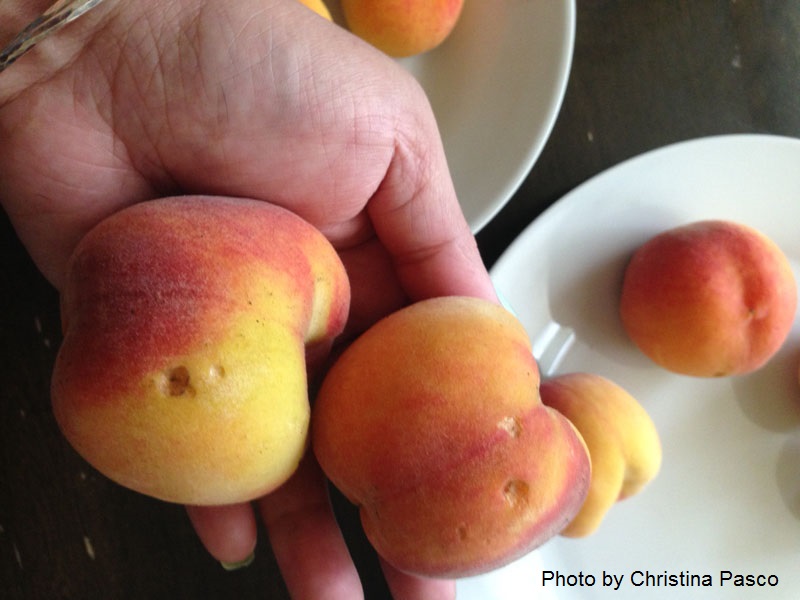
(728, 495)
(496, 85)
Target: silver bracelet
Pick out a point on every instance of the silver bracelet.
(51, 20)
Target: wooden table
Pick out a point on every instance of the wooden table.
(645, 74)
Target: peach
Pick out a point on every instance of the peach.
(318, 6)
(431, 423)
(624, 445)
(402, 27)
(187, 322)
(709, 299)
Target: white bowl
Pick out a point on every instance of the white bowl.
(496, 85)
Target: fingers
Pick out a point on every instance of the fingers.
(409, 587)
(375, 291)
(306, 540)
(417, 217)
(227, 532)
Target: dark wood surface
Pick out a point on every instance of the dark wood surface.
(645, 74)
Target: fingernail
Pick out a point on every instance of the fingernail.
(234, 566)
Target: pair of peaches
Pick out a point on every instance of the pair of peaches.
(188, 324)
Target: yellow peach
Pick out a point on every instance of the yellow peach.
(709, 299)
(187, 321)
(431, 423)
(624, 445)
(402, 27)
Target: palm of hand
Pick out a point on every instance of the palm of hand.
(230, 99)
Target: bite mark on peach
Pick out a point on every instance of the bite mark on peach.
(511, 425)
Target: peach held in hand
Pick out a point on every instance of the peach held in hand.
(187, 323)
(431, 423)
(623, 442)
(402, 27)
(709, 299)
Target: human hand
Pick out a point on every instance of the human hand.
(258, 99)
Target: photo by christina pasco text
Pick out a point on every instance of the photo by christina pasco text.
(658, 579)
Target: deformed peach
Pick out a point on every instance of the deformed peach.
(431, 423)
(624, 445)
(187, 322)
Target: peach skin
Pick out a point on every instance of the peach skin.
(431, 423)
(623, 442)
(709, 299)
(402, 27)
(187, 325)
(318, 6)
